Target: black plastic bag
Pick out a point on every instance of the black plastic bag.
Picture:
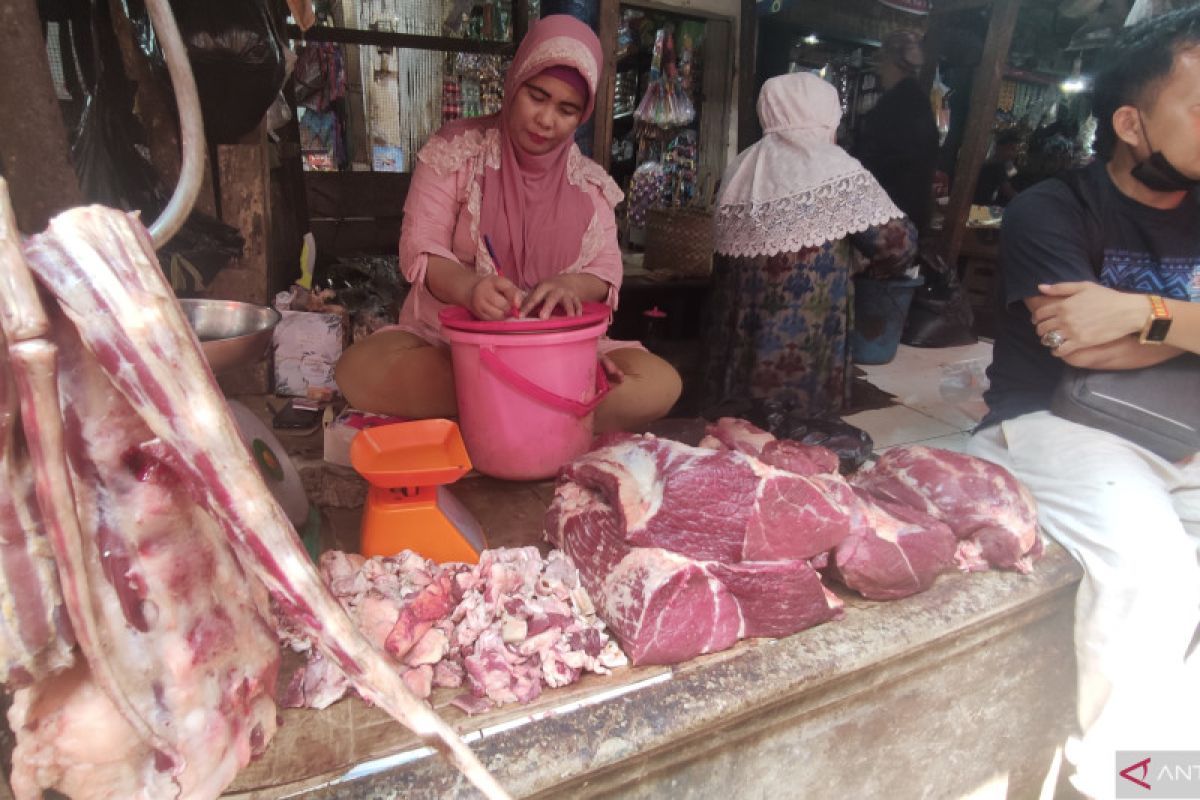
(200, 249)
(109, 158)
(370, 288)
(237, 56)
(112, 169)
(940, 314)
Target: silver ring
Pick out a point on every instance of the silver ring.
(1054, 340)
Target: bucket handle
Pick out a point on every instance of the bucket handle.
(493, 362)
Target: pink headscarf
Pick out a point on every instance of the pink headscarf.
(535, 218)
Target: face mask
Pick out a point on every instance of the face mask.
(1160, 175)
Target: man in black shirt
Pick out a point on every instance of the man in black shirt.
(1085, 272)
(898, 140)
(994, 187)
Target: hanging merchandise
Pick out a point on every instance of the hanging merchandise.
(1008, 96)
(319, 85)
(451, 99)
(319, 75)
(682, 111)
(481, 83)
(651, 141)
(624, 94)
(691, 40)
(491, 84)
(472, 105)
(652, 109)
(319, 139)
(941, 109)
(646, 190)
(627, 38)
(679, 168)
(665, 103)
(624, 149)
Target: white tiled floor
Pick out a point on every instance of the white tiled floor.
(939, 393)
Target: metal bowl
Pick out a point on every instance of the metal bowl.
(232, 334)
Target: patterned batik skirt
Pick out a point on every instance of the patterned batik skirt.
(777, 329)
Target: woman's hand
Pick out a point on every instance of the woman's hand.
(561, 290)
(1087, 314)
(494, 297)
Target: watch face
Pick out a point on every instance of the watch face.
(1158, 330)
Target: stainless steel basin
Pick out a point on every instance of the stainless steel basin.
(232, 334)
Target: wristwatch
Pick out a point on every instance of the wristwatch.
(1158, 323)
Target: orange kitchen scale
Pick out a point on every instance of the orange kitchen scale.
(408, 465)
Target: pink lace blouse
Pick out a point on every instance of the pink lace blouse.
(441, 218)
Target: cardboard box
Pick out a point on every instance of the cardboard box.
(307, 347)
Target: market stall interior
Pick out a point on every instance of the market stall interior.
(687, 606)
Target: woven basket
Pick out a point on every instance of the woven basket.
(679, 241)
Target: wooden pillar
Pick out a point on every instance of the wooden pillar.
(610, 14)
(245, 204)
(244, 180)
(985, 93)
(715, 107)
(746, 78)
(34, 155)
(520, 20)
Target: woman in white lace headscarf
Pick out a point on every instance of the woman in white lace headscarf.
(793, 210)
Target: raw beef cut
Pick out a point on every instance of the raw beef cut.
(786, 454)
(716, 505)
(507, 626)
(164, 538)
(177, 651)
(991, 513)
(35, 632)
(685, 550)
(898, 553)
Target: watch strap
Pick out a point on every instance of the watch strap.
(1158, 323)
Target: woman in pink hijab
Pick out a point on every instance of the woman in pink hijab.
(517, 178)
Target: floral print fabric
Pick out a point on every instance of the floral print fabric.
(778, 325)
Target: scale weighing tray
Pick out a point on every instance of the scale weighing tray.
(408, 506)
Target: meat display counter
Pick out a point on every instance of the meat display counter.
(964, 686)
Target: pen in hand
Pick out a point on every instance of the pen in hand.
(487, 242)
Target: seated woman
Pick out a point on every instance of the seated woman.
(518, 179)
(793, 210)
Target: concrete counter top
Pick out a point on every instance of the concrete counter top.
(970, 684)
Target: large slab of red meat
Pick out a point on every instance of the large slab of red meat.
(991, 513)
(685, 550)
(899, 552)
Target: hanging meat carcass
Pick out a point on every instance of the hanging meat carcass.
(161, 538)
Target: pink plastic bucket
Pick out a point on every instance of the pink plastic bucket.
(526, 399)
